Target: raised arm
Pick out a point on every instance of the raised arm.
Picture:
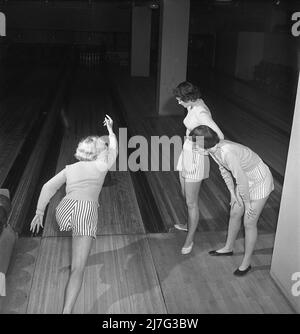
(112, 150)
(106, 162)
(113, 143)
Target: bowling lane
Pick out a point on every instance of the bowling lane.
(267, 108)
(89, 101)
(120, 277)
(20, 109)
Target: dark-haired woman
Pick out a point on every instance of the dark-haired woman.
(193, 162)
(249, 194)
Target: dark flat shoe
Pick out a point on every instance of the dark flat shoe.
(215, 253)
(239, 272)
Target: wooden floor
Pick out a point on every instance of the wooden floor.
(142, 274)
(130, 271)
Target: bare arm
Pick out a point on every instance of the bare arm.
(112, 150)
(226, 175)
(48, 191)
(240, 176)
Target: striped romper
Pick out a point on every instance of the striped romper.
(78, 210)
(193, 162)
(253, 178)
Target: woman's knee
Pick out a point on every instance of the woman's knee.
(236, 212)
(250, 224)
(192, 203)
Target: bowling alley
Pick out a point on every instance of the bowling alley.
(149, 158)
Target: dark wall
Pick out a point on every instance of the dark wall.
(226, 52)
(241, 16)
(64, 21)
(231, 24)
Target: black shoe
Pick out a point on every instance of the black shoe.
(215, 253)
(239, 272)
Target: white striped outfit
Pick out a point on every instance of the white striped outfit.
(79, 216)
(253, 178)
(78, 210)
(193, 162)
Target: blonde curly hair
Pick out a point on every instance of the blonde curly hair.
(91, 147)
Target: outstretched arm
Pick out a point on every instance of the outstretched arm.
(47, 192)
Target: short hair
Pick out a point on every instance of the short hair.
(186, 92)
(90, 147)
(210, 137)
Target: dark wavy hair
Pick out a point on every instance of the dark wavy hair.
(186, 92)
(208, 134)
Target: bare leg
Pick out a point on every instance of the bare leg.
(235, 221)
(251, 232)
(81, 247)
(182, 184)
(191, 195)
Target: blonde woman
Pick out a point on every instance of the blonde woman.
(78, 210)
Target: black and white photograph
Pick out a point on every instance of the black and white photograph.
(149, 159)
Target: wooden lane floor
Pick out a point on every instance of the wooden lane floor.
(268, 108)
(19, 276)
(201, 283)
(134, 274)
(120, 277)
(18, 112)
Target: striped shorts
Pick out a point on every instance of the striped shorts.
(260, 181)
(193, 164)
(79, 216)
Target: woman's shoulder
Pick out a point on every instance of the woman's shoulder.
(229, 148)
(201, 109)
(225, 146)
(77, 164)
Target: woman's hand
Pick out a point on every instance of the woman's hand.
(235, 199)
(37, 221)
(108, 122)
(249, 211)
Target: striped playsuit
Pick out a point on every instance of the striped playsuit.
(78, 210)
(253, 178)
(193, 162)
